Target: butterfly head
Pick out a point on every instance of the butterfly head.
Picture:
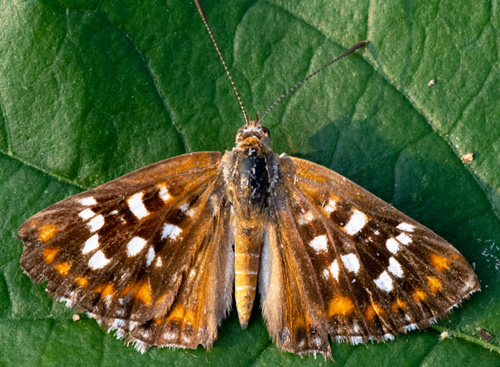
(252, 134)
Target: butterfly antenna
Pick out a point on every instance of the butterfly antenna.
(292, 89)
(200, 10)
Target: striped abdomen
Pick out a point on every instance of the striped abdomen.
(248, 243)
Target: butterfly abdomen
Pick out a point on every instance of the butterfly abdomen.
(248, 243)
(249, 186)
(249, 171)
(249, 190)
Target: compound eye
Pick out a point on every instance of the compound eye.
(266, 131)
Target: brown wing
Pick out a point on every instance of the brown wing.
(359, 269)
(134, 251)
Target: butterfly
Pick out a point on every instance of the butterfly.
(158, 254)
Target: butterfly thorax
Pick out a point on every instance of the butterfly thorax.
(250, 171)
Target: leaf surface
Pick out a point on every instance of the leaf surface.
(91, 90)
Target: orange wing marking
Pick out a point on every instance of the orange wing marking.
(49, 254)
(340, 305)
(46, 232)
(81, 281)
(441, 263)
(419, 295)
(373, 310)
(62, 268)
(434, 283)
(398, 304)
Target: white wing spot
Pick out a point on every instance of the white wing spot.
(330, 207)
(395, 267)
(136, 205)
(114, 212)
(171, 231)
(351, 262)
(184, 208)
(404, 239)
(326, 273)
(306, 218)
(334, 269)
(91, 244)
(309, 217)
(356, 223)
(158, 262)
(86, 214)
(164, 195)
(88, 201)
(407, 227)
(151, 256)
(98, 261)
(319, 243)
(384, 282)
(135, 246)
(392, 245)
(96, 223)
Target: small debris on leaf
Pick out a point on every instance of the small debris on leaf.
(467, 157)
(444, 335)
(486, 336)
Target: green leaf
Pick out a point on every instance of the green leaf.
(91, 90)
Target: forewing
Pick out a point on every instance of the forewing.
(124, 251)
(363, 270)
